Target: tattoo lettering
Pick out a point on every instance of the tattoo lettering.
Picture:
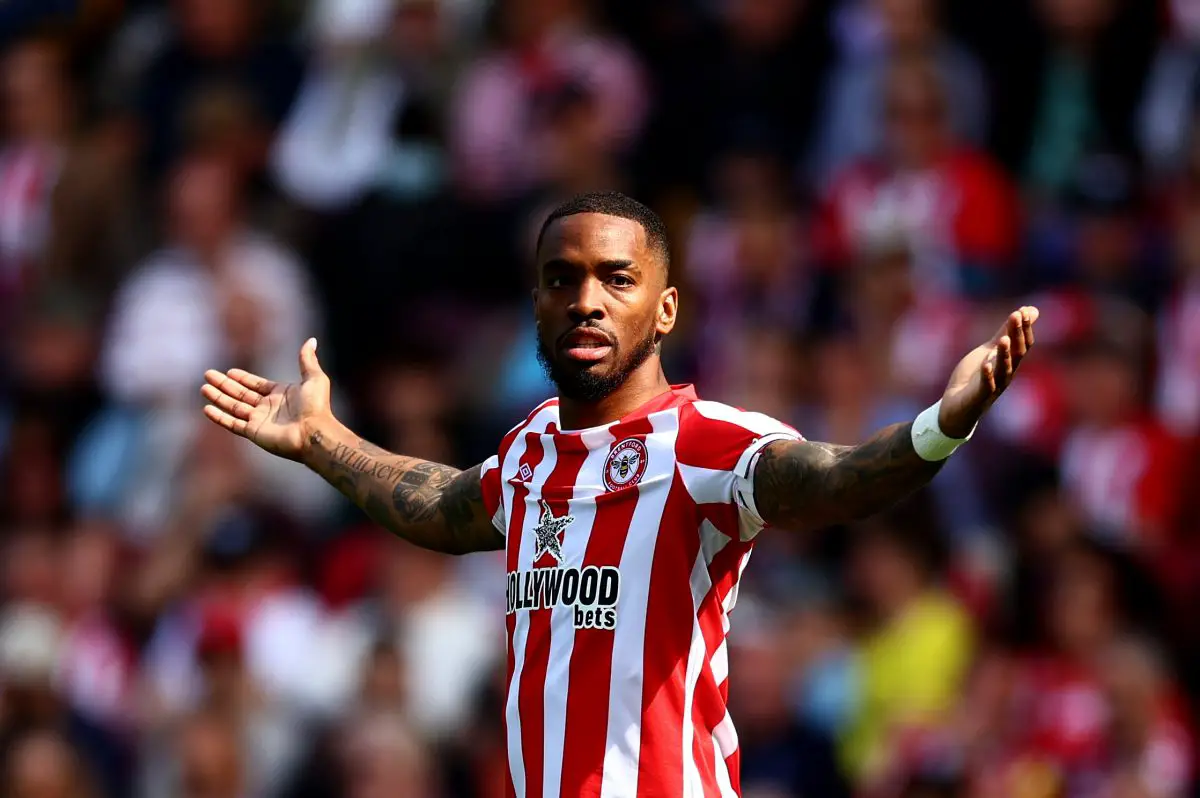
(363, 460)
(809, 484)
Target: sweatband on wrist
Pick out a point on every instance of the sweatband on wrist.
(929, 441)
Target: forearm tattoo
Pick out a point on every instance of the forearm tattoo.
(434, 506)
(803, 484)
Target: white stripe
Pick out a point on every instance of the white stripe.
(693, 782)
(706, 485)
(562, 619)
(720, 663)
(712, 540)
(623, 740)
(498, 519)
(724, 785)
(725, 736)
(757, 423)
(516, 761)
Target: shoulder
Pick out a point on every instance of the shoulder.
(717, 436)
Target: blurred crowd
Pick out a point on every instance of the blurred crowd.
(858, 191)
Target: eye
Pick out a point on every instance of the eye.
(555, 281)
(621, 280)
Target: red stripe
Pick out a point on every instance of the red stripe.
(733, 763)
(703, 749)
(531, 700)
(533, 455)
(669, 619)
(709, 442)
(592, 653)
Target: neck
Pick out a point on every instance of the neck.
(643, 385)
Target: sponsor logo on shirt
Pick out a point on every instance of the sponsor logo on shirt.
(591, 592)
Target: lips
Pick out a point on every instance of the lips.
(586, 344)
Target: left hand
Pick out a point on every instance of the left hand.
(980, 377)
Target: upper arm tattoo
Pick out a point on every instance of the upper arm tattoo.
(809, 484)
(431, 505)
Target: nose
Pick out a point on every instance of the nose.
(587, 304)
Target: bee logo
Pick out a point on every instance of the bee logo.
(626, 464)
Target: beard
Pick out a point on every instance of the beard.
(584, 382)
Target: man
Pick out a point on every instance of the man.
(627, 508)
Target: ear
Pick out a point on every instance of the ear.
(668, 309)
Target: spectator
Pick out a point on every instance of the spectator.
(326, 164)
(1168, 106)
(856, 103)
(1074, 91)
(1057, 709)
(747, 256)
(1148, 750)
(215, 45)
(779, 755)
(951, 202)
(547, 45)
(209, 760)
(1177, 396)
(443, 671)
(221, 292)
(383, 758)
(1120, 465)
(752, 73)
(38, 116)
(914, 658)
(42, 765)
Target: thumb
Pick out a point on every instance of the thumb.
(309, 367)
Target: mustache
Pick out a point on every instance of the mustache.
(588, 325)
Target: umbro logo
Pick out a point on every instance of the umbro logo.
(525, 472)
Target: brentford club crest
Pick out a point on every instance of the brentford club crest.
(625, 465)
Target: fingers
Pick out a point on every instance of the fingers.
(1004, 363)
(260, 385)
(1015, 330)
(1018, 327)
(987, 373)
(235, 384)
(235, 425)
(309, 367)
(226, 403)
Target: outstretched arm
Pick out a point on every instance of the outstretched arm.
(430, 505)
(805, 485)
(809, 485)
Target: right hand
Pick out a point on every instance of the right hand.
(278, 417)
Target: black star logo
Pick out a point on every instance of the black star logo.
(548, 531)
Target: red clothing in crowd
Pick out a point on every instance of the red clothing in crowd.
(961, 211)
(1127, 480)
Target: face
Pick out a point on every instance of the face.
(1081, 606)
(41, 767)
(601, 303)
(210, 759)
(204, 199)
(34, 90)
(916, 116)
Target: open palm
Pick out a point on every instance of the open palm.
(274, 415)
(986, 371)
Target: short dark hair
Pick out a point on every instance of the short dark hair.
(614, 203)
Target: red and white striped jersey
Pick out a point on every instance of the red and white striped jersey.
(624, 547)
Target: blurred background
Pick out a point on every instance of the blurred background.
(858, 191)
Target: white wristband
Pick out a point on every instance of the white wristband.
(928, 439)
